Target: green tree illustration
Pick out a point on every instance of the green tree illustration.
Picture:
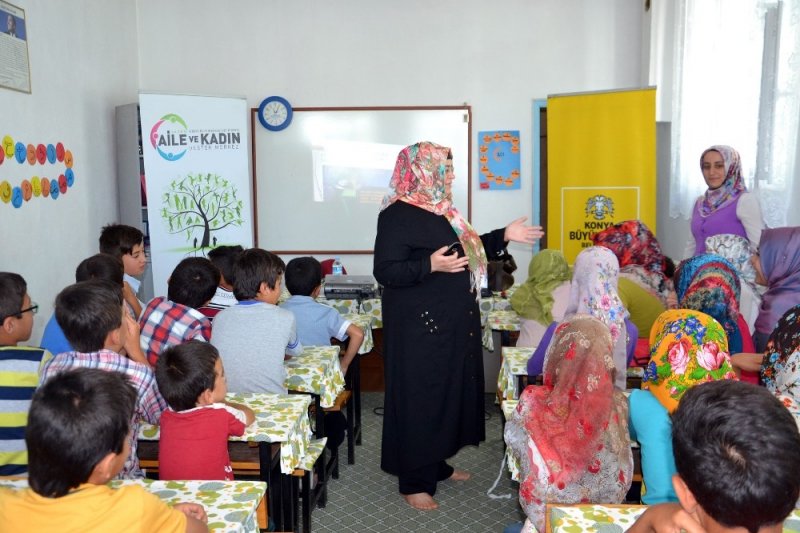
(201, 202)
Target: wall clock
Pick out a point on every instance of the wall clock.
(275, 113)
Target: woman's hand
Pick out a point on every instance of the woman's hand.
(517, 231)
(447, 263)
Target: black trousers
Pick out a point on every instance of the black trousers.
(425, 478)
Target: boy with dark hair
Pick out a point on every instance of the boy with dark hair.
(77, 442)
(127, 243)
(99, 266)
(91, 314)
(737, 453)
(255, 335)
(195, 429)
(317, 323)
(175, 319)
(19, 366)
(223, 258)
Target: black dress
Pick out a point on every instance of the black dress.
(432, 342)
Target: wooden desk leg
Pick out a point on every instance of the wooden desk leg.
(289, 497)
(322, 474)
(271, 473)
(357, 402)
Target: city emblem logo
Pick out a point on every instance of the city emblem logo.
(600, 206)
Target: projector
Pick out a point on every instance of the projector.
(350, 287)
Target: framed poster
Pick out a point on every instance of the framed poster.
(15, 69)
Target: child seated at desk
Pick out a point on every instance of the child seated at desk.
(77, 439)
(317, 323)
(255, 335)
(737, 451)
(195, 429)
(127, 244)
(223, 258)
(19, 366)
(175, 319)
(92, 317)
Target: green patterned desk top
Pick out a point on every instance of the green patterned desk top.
(230, 505)
(365, 323)
(515, 363)
(316, 371)
(279, 418)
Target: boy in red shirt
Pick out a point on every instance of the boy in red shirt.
(195, 429)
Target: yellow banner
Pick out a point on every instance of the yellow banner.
(601, 169)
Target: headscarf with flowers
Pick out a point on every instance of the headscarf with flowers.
(731, 188)
(534, 299)
(639, 255)
(780, 369)
(594, 292)
(570, 434)
(779, 251)
(686, 348)
(738, 251)
(419, 179)
(709, 283)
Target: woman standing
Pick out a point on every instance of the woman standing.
(726, 207)
(431, 323)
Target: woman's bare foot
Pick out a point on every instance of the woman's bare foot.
(460, 475)
(422, 501)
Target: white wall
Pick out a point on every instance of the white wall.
(84, 62)
(496, 56)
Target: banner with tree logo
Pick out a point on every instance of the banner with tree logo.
(196, 175)
(601, 167)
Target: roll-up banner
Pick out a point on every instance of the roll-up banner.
(196, 175)
(601, 150)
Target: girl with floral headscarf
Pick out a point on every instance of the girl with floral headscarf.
(727, 206)
(780, 368)
(739, 252)
(687, 348)
(777, 265)
(570, 435)
(594, 292)
(710, 284)
(543, 297)
(431, 323)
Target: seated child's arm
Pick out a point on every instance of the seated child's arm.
(130, 297)
(750, 362)
(666, 518)
(196, 518)
(249, 415)
(132, 348)
(356, 336)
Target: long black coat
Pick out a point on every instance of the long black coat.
(433, 358)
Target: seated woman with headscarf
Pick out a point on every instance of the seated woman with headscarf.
(739, 252)
(570, 435)
(543, 297)
(688, 347)
(780, 368)
(777, 265)
(644, 288)
(594, 292)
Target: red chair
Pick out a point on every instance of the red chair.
(327, 267)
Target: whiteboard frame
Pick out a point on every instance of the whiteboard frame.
(254, 125)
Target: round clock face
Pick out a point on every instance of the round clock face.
(275, 113)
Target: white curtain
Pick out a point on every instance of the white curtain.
(736, 81)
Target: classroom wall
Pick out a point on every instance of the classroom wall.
(497, 57)
(84, 62)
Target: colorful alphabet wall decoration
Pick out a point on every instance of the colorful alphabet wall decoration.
(48, 156)
(499, 160)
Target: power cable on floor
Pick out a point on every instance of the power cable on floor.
(496, 481)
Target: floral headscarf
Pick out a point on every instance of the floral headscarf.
(571, 434)
(738, 251)
(709, 283)
(779, 250)
(686, 348)
(419, 179)
(639, 255)
(780, 369)
(594, 292)
(534, 299)
(733, 185)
